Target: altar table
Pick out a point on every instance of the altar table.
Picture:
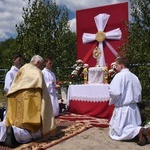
(90, 99)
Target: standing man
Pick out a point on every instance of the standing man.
(17, 63)
(29, 113)
(125, 93)
(10, 75)
(50, 80)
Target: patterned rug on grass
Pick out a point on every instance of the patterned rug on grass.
(68, 125)
(87, 120)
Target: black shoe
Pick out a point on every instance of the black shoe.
(10, 139)
(2, 110)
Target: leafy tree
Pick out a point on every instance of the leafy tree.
(45, 31)
(137, 49)
(6, 53)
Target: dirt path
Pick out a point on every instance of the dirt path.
(96, 139)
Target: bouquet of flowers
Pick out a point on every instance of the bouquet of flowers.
(112, 71)
(77, 74)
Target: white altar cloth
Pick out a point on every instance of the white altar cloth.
(88, 92)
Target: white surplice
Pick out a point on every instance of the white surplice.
(10, 75)
(125, 93)
(49, 76)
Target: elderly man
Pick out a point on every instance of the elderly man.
(29, 113)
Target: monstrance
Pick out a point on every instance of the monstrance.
(97, 55)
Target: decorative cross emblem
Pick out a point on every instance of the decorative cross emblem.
(101, 21)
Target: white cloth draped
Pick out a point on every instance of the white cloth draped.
(125, 93)
(96, 75)
(101, 22)
(21, 135)
(88, 92)
(49, 76)
(3, 134)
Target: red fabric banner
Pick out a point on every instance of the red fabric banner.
(86, 24)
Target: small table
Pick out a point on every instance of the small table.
(90, 99)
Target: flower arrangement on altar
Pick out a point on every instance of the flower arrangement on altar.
(112, 71)
(77, 75)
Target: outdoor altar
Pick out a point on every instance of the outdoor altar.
(99, 30)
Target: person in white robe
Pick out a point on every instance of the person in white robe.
(50, 80)
(29, 114)
(125, 92)
(10, 75)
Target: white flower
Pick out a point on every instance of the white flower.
(78, 68)
(74, 66)
(85, 66)
(110, 71)
(79, 61)
(74, 72)
(113, 65)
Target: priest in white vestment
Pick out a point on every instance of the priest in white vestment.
(125, 92)
(50, 80)
(29, 114)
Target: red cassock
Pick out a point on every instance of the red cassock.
(86, 23)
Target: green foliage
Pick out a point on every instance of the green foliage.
(6, 53)
(139, 31)
(45, 31)
(138, 48)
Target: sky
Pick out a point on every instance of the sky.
(11, 13)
